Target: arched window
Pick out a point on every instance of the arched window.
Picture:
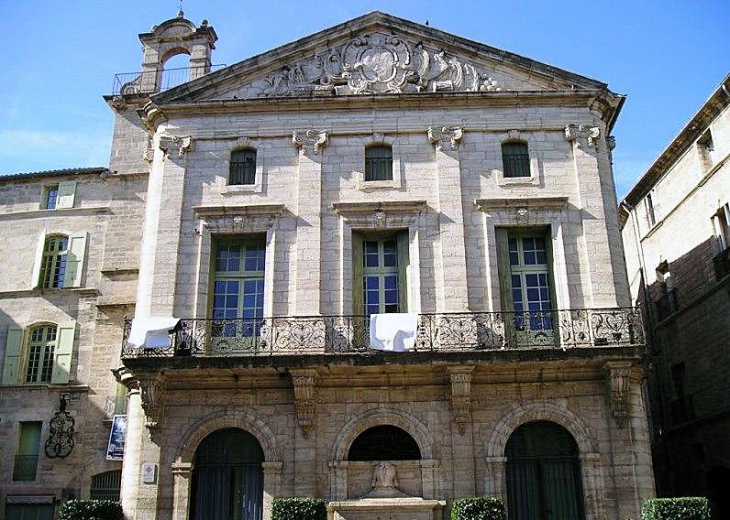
(384, 442)
(53, 267)
(379, 163)
(543, 473)
(41, 352)
(106, 486)
(243, 167)
(515, 159)
(228, 477)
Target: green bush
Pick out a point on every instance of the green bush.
(299, 509)
(478, 508)
(684, 508)
(90, 510)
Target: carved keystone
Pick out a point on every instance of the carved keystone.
(461, 377)
(576, 133)
(304, 397)
(310, 141)
(169, 143)
(446, 134)
(619, 388)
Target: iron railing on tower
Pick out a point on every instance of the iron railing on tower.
(148, 82)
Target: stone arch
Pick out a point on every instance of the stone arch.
(171, 52)
(540, 411)
(220, 420)
(377, 417)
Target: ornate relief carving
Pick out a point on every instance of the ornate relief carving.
(446, 134)
(579, 132)
(374, 64)
(611, 142)
(311, 141)
(304, 398)
(118, 103)
(513, 134)
(461, 395)
(153, 396)
(619, 383)
(170, 143)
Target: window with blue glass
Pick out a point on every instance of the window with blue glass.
(53, 267)
(238, 287)
(380, 263)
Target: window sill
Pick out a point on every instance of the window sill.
(43, 213)
(240, 188)
(71, 387)
(81, 291)
(515, 181)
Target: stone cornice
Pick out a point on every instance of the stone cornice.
(398, 207)
(56, 213)
(250, 210)
(532, 203)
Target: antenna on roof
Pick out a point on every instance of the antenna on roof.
(180, 13)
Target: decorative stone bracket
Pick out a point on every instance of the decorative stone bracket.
(461, 377)
(619, 387)
(579, 132)
(310, 141)
(152, 392)
(446, 134)
(169, 143)
(304, 397)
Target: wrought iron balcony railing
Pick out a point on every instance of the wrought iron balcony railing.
(452, 332)
(25, 468)
(147, 82)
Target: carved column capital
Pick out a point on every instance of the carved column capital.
(310, 141)
(576, 133)
(619, 387)
(152, 393)
(446, 135)
(461, 377)
(181, 469)
(170, 144)
(305, 382)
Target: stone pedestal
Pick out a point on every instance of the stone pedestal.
(409, 508)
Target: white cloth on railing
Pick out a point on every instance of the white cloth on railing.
(395, 332)
(152, 332)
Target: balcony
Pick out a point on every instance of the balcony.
(449, 332)
(148, 82)
(25, 468)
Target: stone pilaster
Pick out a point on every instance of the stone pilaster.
(272, 486)
(462, 440)
(452, 271)
(181, 475)
(305, 455)
(309, 221)
(494, 477)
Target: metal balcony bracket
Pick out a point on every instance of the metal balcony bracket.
(461, 377)
(619, 389)
(305, 387)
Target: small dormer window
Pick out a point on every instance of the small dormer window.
(243, 167)
(379, 163)
(515, 159)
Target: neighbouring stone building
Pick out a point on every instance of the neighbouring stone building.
(253, 220)
(676, 230)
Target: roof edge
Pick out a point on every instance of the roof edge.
(90, 170)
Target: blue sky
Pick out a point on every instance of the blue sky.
(61, 57)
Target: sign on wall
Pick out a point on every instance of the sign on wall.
(115, 448)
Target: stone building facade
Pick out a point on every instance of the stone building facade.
(258, 215)
(676, 223)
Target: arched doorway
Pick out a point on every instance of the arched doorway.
(384, 442)
(718, 484)
(543, 474)
(228, 477)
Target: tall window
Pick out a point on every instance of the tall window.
(53, 269)
(41, 351)
(26, 460)
(51, 197)
(650, 213)
(243, 167)
(527, 290)
(238, 286)
(515, 159)
(380, 263)
(379, 163)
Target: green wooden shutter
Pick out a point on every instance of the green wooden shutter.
(13, 347)
(66, 194)
(404, 269)
(75, 260)
(357, 261)
(38, 261)
(63, 352)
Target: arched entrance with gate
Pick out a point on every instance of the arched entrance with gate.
(543, 474)
(228, 477)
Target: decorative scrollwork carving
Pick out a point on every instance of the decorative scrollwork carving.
(450, 135)
(60, 441)
(461, 395)
(619, 383)
(310, 141)
(304, 397)
(170, 143)
(153, 396)
(579, 132)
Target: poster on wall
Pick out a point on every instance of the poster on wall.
(115, 448)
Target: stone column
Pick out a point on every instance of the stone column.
(309, 222)
(593, 487)
(600, 237)
(181, 474)
(338, 479)
(272, 486)
(131, 467)
(494, 477)
(161, 236)
(453, 273)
